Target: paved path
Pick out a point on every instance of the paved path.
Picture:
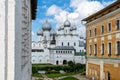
(78, 76)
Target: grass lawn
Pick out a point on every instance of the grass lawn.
(37, 75)
(59, 75)
(69, 78)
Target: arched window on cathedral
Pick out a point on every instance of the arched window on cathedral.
(68, 43)
(74, 44)
(62, 44)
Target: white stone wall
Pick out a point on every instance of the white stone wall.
(80, 59)
(2, 39)
(60, 57)
(12, 38)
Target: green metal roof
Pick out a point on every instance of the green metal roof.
(80, 53)
(62, 48)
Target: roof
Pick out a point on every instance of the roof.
(63, 48)
(80, 53)
(33, 9)
(103, 10)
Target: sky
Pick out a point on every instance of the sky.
(57, 11)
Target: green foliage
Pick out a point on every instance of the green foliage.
(69, 78)
(59, 75)
(72, 67)
(71, 63)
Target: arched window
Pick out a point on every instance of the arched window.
(74, 44)
(62, 44)
(39, 44)
(68, 43)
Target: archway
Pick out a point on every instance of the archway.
(57, 62)
(64, 62)
(108, 76)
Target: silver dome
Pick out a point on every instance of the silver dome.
(40, 32)
(52, 32)
(67, 23)
(74, 27)
(46, 26)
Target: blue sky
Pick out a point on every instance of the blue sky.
(56, 11)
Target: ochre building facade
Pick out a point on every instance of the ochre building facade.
(103, 43)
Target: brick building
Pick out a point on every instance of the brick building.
(103, 43)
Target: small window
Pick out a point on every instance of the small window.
(109, 48)
(95, 31)
(95, 49)
(33, 44)
(118, 24)
(118, 47)
(90, 33)
(66, 51)
(109, 27)
(90, 49)
(102, 29)
(102, 49)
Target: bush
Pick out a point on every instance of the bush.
(72, 67)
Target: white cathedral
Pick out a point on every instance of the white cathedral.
(58, 47)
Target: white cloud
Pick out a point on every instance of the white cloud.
(33, 34)
(85, 7)
(81, 9)
(53, 10)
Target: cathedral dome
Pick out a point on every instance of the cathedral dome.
(40, 32)
(67, 23)
(53, 32)
(46, 26)
(74, 27)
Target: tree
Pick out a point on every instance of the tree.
(70, 63)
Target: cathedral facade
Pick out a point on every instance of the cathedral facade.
(58, 47)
